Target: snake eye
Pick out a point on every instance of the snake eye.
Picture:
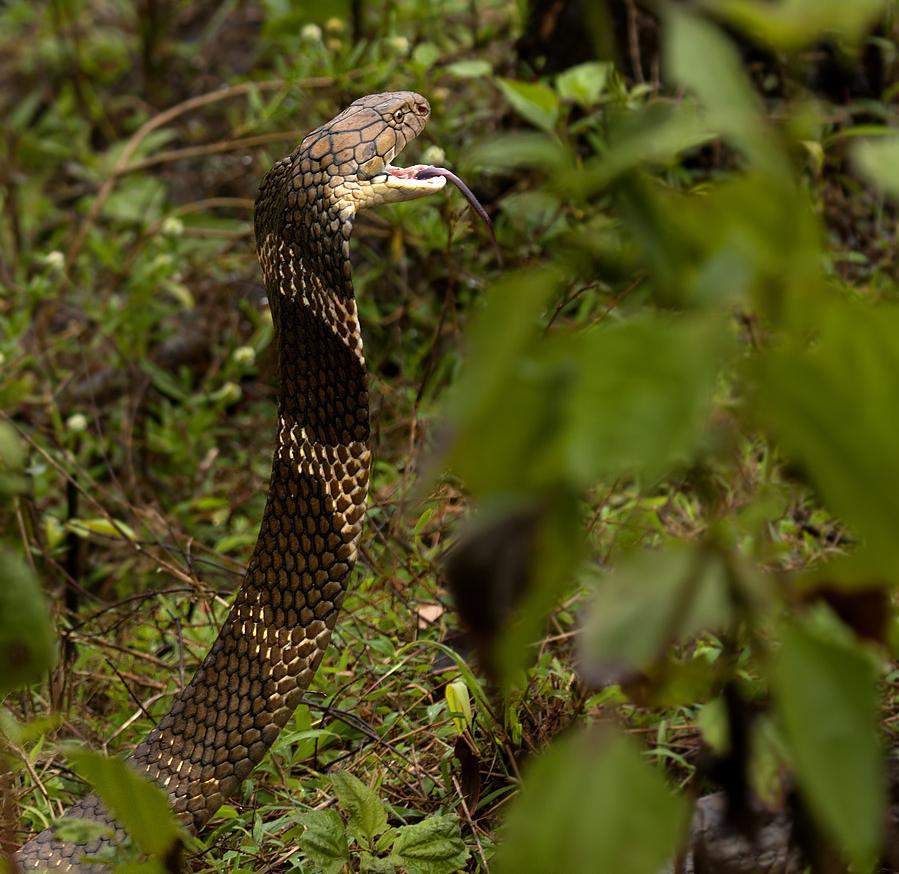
(399, 115)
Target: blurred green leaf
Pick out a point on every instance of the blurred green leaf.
(584, 83)
(113, 528)
(878, 160)
(591, 804)
(615, 399)
(324, 839)
(27, 640)
(432, 846)
(656, 134)
(12, 461)
(826, 406)
(701, 58)
(365, 812)
(789, 25)
(137, 200)
(469, 69)
(647, 604)
(533, 101)
(825, 694)
(139, 805)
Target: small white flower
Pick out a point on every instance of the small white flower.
(2, 359)
(245, 355)
(76, 423)
(434, 155)
(311, 33)
(55, 260)
(172, 226)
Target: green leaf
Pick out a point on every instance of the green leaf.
(589, 805)
(878, 160)
(324, 839)
(533, 101)
(370, 864)
(113, 528)
(826, 698)
(27, 640)
(826, 406)
(471, 69)
(648, 603)
(137, 200)
(702, 59)
(633, 397)
(366, 814)
(791, 24)
(139, 805)
(584, 83)
(432, 846)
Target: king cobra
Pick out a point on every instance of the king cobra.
(266, 654)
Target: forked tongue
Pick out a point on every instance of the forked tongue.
(429, 172)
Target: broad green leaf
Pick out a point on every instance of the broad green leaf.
(584, 83)
(324, 839)
(27, 641)
(470, 69)
(432, 846)
(826, 698)
(632, 397)
(791, 24)
(458, 704)
(366, 814)
(826, 406)
(702, 59)
(590, 805)
(878, 160)
(533, 101)
(657, 134)
(139, 805)
(648, 603)
(369, 864)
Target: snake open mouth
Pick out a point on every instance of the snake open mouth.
(435, 178)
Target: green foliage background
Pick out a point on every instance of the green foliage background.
(683, 379)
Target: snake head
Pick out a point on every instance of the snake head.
(349, 157)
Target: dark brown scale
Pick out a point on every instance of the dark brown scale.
(280, 624)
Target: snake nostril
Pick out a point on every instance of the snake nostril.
(421, 108)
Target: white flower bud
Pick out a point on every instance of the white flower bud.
(434, 155)
(172, 226)
(76, 423)
(311, 33)
(55, 260)
(245, 355)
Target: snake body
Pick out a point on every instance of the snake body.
(273, 639)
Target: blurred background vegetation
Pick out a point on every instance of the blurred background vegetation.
(651, 456)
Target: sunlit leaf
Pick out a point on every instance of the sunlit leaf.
(791, 24)
(825, 693)
(584, 83)
(533, 101)
(878, 160)
(590, 805)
